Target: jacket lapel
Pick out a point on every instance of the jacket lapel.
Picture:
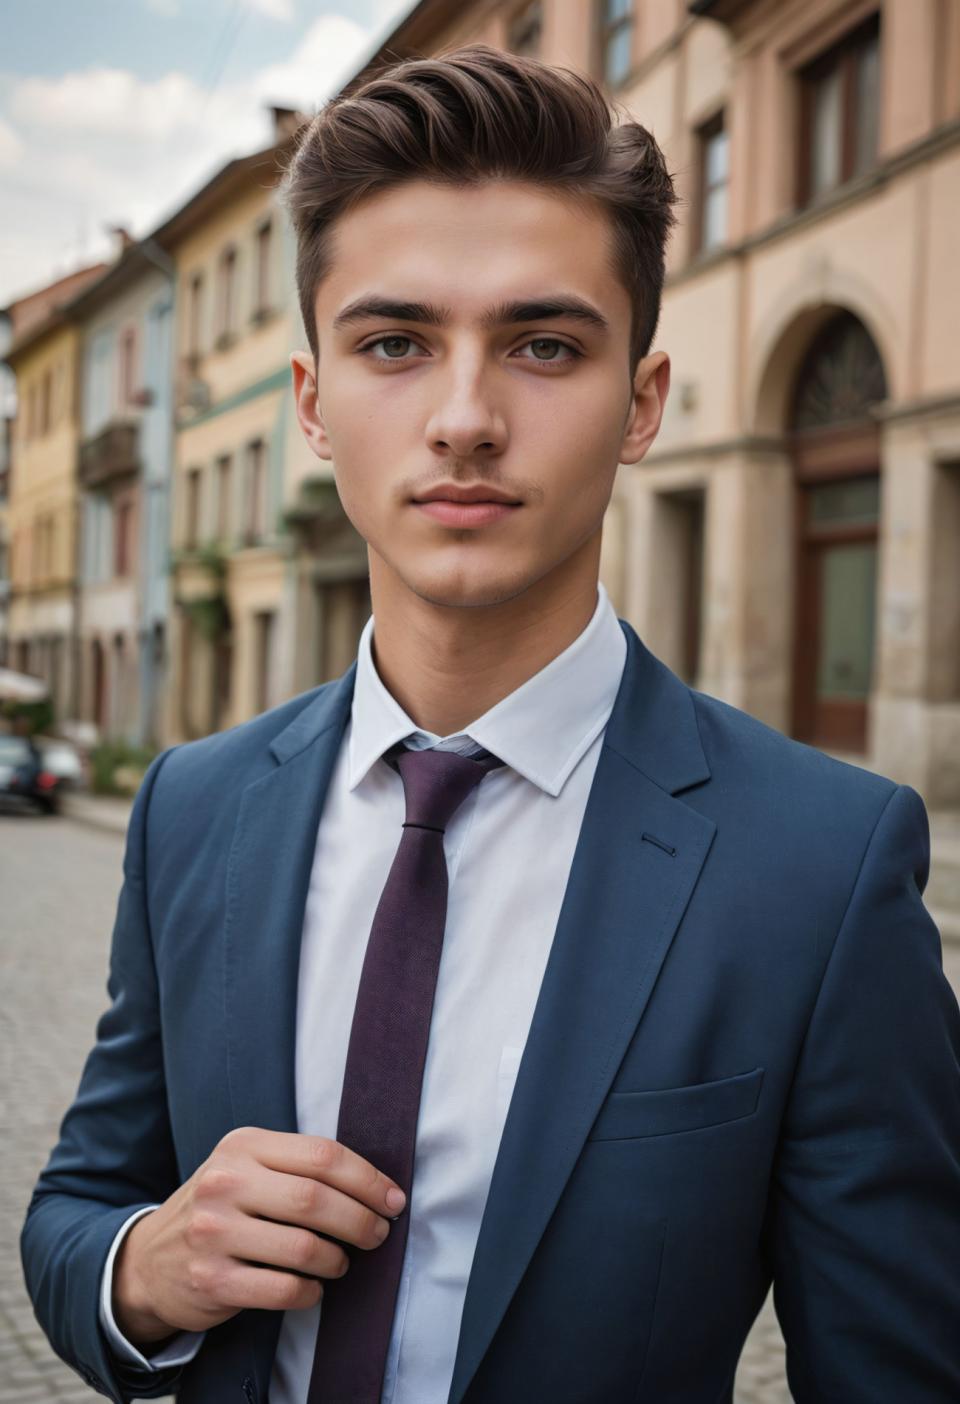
(623, 903)
(268, 876)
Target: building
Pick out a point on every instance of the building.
(8, 414)
(816, 435)
(269, 579)
(41, 502)
(790, 542)
(125, 320)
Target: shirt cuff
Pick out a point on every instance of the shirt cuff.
(178, 1351)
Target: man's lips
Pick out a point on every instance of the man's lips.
(466, 514)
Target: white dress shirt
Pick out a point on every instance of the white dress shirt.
(508, 849)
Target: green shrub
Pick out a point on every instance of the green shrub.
(116, 768)
(29, 718)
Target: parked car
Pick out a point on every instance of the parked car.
(65, 761)
(24, 778)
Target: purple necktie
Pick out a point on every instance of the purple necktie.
(380, 1101)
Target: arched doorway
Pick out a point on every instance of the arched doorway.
(835, 448)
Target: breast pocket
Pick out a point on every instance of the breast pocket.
(667, 1110)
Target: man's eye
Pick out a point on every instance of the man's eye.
(388, 342)
(551, 343)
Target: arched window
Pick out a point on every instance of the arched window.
(841, 376)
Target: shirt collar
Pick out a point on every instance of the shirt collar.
(541, 729)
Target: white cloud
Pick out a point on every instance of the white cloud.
(102, 145)
(108, 100)
(10, 144)
(273, 9)
(326, 56)
(281, 10)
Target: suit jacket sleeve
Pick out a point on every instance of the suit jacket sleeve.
(864, 1218)
(115, 1152)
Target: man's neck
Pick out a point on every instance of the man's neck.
(447, 666)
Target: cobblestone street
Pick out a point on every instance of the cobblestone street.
(59, 881)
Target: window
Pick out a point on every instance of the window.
(100, 381)
(128, 351)
(42, 549)
(261, 291)
(525, 30)
(6, 453)
(192, 524)
(46, 402)
(224, 475)
(616, 40)
(710, 230)
(195, 315)
(840, 112)
(60, 407)
(122, 537)
(226, 295)
(256, 491)
(119, 684)
(944, 655)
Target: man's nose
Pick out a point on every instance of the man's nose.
(465, 418)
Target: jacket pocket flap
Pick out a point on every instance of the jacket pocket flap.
(667, 1110)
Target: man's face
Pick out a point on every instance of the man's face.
(478, 382)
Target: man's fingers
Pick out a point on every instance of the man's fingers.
(268, 1289)
(262, 1243)
(312, 1205)
(323, 1159)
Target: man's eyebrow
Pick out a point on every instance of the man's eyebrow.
(540, 309)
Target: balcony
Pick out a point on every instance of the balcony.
(113, 453)
(316, 519)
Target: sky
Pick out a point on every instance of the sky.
(112, 112)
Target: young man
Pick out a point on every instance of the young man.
(634, 999)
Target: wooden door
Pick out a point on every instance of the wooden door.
(836, 627)
(835, 443)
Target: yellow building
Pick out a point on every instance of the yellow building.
(259, 542)
(41, 512)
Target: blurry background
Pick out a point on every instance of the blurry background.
(174, 560)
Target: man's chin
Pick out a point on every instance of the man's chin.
(468, 593)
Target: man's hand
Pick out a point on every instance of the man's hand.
(242, 1232)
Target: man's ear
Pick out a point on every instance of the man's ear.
(651, 385)
(308, 404)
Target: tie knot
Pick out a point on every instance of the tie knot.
(435, 783)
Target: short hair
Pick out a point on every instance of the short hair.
(473, 114)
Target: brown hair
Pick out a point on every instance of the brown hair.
(477, 113)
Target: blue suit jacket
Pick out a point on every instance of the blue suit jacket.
(744, 1064)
